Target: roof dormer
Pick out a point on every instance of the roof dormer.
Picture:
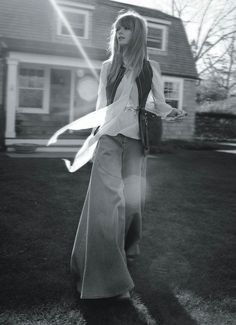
(79, 17)
(157, 38)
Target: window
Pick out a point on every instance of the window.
(60, 91)
(33, 90)
(157, 35)
(173, 90)
(78, 20)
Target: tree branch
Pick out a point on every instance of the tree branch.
(202, 20)
(200, 55)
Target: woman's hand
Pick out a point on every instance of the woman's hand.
(176, 115)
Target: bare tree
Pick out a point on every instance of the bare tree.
(214, 22)
(223, 69)
(181, 8)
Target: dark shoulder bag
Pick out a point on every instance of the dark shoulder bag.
(150, 127)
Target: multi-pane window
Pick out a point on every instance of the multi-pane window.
(31, 89)
(78, 21)
(156, 36)
(173, 93)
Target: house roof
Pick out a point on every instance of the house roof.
(32, 29)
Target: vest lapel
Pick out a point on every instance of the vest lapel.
(143, 81)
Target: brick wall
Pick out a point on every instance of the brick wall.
(185, 128)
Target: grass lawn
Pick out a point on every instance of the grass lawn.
(184, 275)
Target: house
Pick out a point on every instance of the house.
(48, 78)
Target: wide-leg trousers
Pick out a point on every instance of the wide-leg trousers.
(109, 229)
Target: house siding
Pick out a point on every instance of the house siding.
(103, 18)
(38, 125)
(33, 20)
(28, 19)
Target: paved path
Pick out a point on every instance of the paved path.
(227, 147)
(230, 147)
(68, 155)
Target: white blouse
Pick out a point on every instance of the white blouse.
(128, 118)
(117, 117)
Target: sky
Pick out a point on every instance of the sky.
(164, 5)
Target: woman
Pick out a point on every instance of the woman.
(109, 230)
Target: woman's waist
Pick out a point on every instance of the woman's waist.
(131, 108)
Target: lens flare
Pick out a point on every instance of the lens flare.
(75, 39)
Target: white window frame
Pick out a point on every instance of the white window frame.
(180, 81)
(164, 34)
(46, 90)
(74, 4)
(75, 11)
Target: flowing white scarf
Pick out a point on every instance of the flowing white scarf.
(105, 118)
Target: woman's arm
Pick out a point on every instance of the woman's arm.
(163, 109)
(102, 98)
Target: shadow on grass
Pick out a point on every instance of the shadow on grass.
(152, 307)
(30, 280)
(157, 295)
(165, 307)
(108, 311)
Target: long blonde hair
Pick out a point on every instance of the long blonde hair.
(135, 52)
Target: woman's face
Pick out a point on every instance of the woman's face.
(123, 35)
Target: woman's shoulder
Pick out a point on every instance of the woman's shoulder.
(154, 64)
(105, 67)
(106, 63)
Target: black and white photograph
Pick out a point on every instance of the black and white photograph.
(117, 162)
